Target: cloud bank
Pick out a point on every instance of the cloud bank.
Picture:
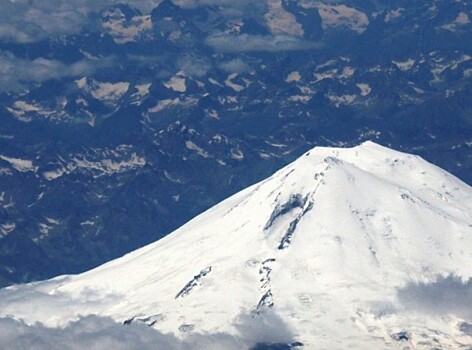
(98, 333)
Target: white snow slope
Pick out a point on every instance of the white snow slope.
(331, 243)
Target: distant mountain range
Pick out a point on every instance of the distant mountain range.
(120, 122)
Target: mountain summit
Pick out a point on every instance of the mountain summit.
(350, 247)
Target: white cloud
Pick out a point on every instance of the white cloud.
(98, 333)
(92, 333)
(266, 327)
(247, 43)
(16, 73)
(445, 296)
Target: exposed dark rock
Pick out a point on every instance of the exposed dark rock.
(194, 282)
(295, 201)
(266, 301)
(401, 336)
(287, 238)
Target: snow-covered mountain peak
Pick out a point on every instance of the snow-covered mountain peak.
(330, 243)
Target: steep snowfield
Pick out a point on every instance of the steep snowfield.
(327, 243)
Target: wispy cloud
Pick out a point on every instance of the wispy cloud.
(236, 65)
(16, 73)
(194, 66)
(247, 43)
